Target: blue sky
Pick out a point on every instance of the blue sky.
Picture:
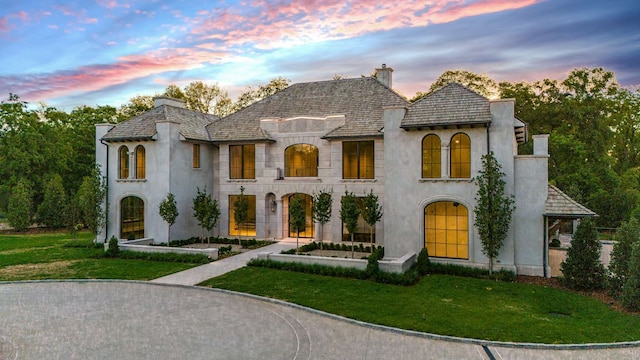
(102, 52)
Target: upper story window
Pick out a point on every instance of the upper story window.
(460, 156)
(123, 162)
(301, 160)
(196, 156)
(140, 162)
(357, 160)
(242, 161)
(431, 161)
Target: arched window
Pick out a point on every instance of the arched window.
(446, 230)
(140, 162)
(131, 218)
(301, 160)
(431, 156)
(460, 156)
(123, 163)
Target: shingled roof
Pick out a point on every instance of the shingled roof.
(450, 105)
(361, 100)
(143, 126)
(560, 204)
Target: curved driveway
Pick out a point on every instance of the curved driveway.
(136, 320)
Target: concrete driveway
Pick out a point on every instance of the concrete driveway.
(137, 320)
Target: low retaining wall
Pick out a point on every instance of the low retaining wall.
(139, 246)
(395, 265)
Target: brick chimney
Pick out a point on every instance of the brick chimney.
(383, 75)
(165, 100)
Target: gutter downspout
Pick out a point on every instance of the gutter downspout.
(545, 246)
(488, 139)
(106, 195)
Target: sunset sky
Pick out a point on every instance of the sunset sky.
(102, 52)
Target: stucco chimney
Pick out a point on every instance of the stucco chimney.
(165, 100)
(541, 144)
(383, 75)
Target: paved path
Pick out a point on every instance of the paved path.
(201, 273)
(141, 320)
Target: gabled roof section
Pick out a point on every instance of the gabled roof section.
(451, 105)
(143, 126)
(360, 100)
(560, 204)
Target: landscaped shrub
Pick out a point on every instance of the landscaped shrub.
(373, 268)
(467, 271)
(85, 244)
(167, 257)
(423, 264)
(627, 235)
(582, 269)
(113, 249)
(631, 288)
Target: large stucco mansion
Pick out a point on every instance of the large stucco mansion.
(349, 134)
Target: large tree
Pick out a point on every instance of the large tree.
(91, 199)
(20, 208)
(494, 208)
(480, 83)
(582, 269)
(251, 95)
(51, 212)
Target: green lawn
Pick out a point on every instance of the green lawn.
(448, 305)
(44, 256)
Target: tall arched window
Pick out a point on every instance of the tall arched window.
(431, 156)
(123, 163)
(131, 218)
(446, 230)
(460, 156)
(301, 160)
(140, 162)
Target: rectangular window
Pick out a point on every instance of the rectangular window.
(247, 228)
(357, 160)
(242, 161)
(196, 156)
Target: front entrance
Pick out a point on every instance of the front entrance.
(307, 231)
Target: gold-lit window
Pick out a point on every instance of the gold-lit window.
(460, 156)
(140, 162)
(123, 163)
(446, 230)
(131, 218)
(301, 160)
(431, 160)
(196, 156)
(307, 231)
(357, 160)
(249, 227)
(242, 163)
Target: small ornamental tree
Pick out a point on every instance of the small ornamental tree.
(349, 213)
(321, 208)
(51, 212)
(91, 197)
(371, 212)
(20, 206)
(297, 216)
(206, 211)
(631, 288)
(582, 269)
(241, 211)
(627, 235)
(168, 211)
(494, 208)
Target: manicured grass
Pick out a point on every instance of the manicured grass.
(447, 305)
(49, 256)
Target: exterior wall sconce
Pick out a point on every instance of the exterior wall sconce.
(274, 206)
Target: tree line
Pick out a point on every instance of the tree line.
(594, 125)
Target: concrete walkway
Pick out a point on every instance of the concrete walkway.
(199, 274)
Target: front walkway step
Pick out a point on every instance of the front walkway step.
(201, 273)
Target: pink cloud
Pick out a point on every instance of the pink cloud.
(96, 77)
(112, 4)
(4, 25)
(282, 24)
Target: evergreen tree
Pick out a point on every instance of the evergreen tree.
(51, 212)
(321, 208)
(494, 208)
(297, 216)
(631, 288)
(582, 269)
(169, 213)
(371, 212)
(91, 198)
(20, 206)
(628, 234)
(349, 213)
